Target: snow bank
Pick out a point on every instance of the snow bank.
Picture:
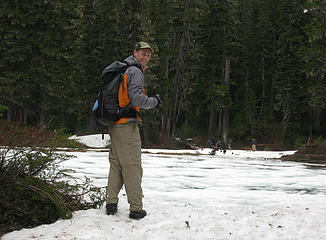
(233, 195)
(93, 141)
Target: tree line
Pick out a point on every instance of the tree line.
(224, 68)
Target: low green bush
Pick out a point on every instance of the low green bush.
(61, 139)
(318, 140)
(267, 148)
(34, 189)
(3, 108)
(299, 142)
(25, 136)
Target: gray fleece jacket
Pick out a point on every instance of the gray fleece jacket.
(135, 86)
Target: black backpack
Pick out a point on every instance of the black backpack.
(106, 107)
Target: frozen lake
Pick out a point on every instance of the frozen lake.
(239, 195)
(223, 179)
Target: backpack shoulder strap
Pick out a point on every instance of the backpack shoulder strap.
(138, 65)
(114, 67)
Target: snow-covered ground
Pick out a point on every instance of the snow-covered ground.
(93, 141)
(236, 195)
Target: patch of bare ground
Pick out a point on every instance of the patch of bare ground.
(312, 153)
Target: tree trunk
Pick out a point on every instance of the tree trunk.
(310, 124)
(166, 124)
(316, 122)
(91, 122)
(226, 110)
(25, 116)
(212, 123)
(225, 126)
(219, 128)
(180, 81)
(163, 130)
(42, 118)
(263, 83)
(9, 114)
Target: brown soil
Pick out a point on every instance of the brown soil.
(312, 153)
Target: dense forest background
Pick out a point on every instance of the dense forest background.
(224, 68)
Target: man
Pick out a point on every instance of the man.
(125, 148)
(254, 143)
(209, 143)
(218, 145)
(229, 143)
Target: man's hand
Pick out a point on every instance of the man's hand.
(159, 100)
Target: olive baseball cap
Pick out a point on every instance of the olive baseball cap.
(143, 45)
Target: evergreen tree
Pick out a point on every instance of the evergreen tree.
(52, 55)
(314, 55)
(289, 82)
(97, 48)
(37, 58)
(218, 42)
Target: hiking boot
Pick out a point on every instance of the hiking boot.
(137, 215)
(111, 208)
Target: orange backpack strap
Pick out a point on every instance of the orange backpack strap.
(123, 92)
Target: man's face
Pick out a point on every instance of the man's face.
(142, 55)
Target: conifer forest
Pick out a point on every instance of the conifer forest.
(224, 68)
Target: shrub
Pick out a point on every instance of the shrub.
(33, 189)
(61, 139)
(185, 132)
(18, 135)
(318, 140)
(267, 148)
(299, 142)
(3, 108)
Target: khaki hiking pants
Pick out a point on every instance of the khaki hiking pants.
(125, 164)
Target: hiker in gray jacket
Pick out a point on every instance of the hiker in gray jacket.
(125, 148)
